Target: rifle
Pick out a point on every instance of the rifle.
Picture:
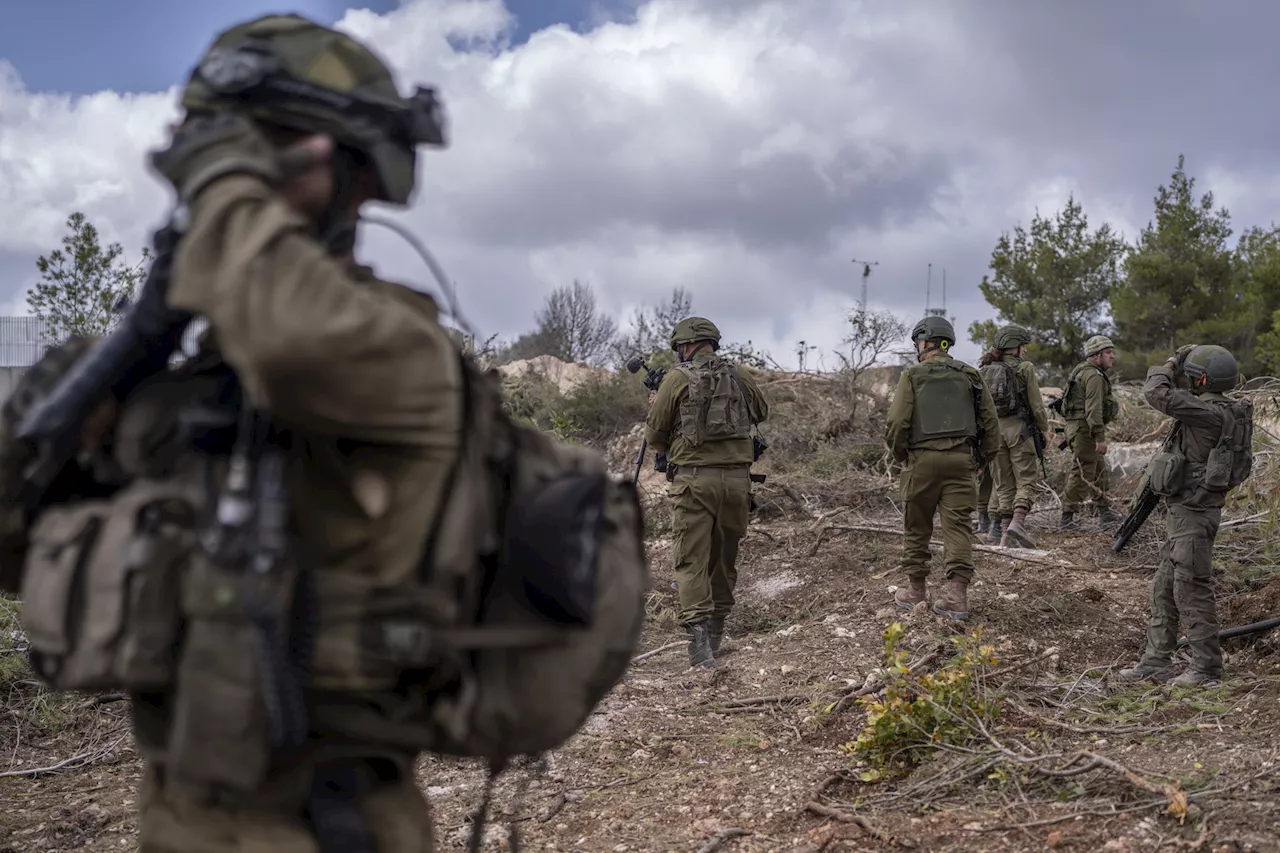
(1242, 630)
(139, 347)
(652, 379)
(1146, 501)
(979, 452)
(1031, 429)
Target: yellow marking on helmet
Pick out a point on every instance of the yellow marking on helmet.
(329, 71)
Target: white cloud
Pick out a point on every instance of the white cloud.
(746, 150)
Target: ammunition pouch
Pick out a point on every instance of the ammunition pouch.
(1166, 472)
(102, 587)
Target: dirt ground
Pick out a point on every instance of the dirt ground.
(747, 758)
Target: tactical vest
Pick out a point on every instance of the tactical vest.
(716, 406)
(1073, 397)
(1230, 461)
(944, 402)
(524, 611)
(1005, 385)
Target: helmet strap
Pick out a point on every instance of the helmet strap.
(336, 228)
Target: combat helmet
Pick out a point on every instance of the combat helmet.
(1097, 344)
(1012, 337)
(692, 329)
(290, 72)
(934, 328)
(1211, 369)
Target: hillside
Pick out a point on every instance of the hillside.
(777, 750)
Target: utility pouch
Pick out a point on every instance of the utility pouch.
(221, 730)
(101, 590)
(1165, 472)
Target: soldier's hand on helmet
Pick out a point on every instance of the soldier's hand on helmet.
(207, 147)
(1181, 355)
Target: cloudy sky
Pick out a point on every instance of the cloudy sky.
(746, 150)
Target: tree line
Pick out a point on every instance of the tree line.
(1180, 281)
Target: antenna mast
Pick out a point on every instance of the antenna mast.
(866, 273)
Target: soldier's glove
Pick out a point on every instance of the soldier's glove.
(1181, 355)
(207, 147)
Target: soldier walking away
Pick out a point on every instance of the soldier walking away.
(702, 417)
(1017, 466)
(1212, 455)
(942, 427)
(1088, 406)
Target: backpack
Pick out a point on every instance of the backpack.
(1001, 379)
(558, 588)
(1230, 462)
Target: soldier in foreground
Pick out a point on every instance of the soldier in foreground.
(942, 427)
(1213, 455)
(286, 548)
(1088, 406)
(702, 417)
(1019, 478)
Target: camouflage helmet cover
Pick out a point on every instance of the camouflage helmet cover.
(1097, 344)
(1211, 368)
(1012, 337)
(934, 328)
(693, 329)
(291, 72)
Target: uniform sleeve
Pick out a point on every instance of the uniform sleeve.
(897, 434)
(988, 419)
(1165, 397)
(665, 410)
(1094, 395)
(308, 341)
(1035, 399)
(756, 399)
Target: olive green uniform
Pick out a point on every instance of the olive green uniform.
(710, 495)
(369, 386)
(1088, 406)
(1183, 583)
(932, 428)
(363, 369)
(1018, 477)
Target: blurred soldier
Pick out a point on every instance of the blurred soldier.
(1011, 379)
(942, 426)
(702, 417)
(1088, 405)
(1213, 455)
(247, 741)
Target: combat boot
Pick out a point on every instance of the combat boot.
(984, 523)
(1146, 672)
(907, 597)
(997, 531)
(956, 602)
(700, 653)
(1195, 678)
(1016, 533)
(1108, 516)
(1068, 521)
(715, 631)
